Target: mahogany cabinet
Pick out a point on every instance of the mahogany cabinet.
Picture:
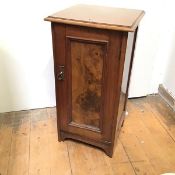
(93, 50)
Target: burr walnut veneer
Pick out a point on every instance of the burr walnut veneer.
(93, 51)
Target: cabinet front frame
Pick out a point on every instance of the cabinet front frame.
(113, 39)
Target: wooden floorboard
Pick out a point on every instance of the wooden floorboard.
(19, 151)
(146, 146)
(157, 143)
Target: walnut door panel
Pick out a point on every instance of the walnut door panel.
(87, 66)
(85, 59)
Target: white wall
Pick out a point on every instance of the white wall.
(169, 50)
(164, 64)
(26, 76)
(154, 50)
(26, 65)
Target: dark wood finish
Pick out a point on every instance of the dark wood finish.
(58, 34)
(92, 74)
(87, 59)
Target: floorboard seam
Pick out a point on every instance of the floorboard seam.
(29, 145)
(10, 151)
(128, 158)
(69, 158)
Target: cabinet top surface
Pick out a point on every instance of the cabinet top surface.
(99, 17)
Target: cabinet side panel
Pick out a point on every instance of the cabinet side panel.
(126, 62)
(125, 76)
(123, 47)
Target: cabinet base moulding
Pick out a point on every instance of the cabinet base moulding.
(105, 146)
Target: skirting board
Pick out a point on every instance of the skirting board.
(166, 96)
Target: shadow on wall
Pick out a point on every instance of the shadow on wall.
(24, 84)
(7, 81)
(49, 82)
(169, 80)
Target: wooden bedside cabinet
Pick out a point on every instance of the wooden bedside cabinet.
(93, 50)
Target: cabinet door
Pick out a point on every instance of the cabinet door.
(86, 95)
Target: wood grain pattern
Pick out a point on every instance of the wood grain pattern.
(150, 123)
(5, 142)
(111, 45)
(19, 152)
(110, 83)
(46, 155)
(90, 99)
(110, 69)
(87, 61)
(150, 135)
(99, 17)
